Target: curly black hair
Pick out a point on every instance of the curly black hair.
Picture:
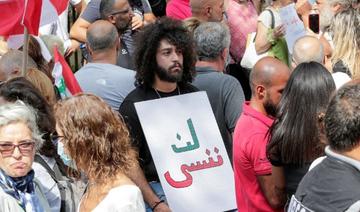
(148, 41)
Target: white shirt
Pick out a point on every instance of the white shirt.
(125, 198)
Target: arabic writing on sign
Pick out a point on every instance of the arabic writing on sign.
(185, 169)
(189, 146)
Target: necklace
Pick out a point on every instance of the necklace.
(157, 93)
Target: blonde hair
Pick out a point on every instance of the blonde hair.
(191, 24)
(42, 82)
(346, 29)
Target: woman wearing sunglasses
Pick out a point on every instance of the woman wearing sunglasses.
(19, 137)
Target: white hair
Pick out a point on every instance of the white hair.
(20, 112)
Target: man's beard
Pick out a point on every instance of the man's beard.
(326, 16)
(165, 74)
(122, 27)
(270, 107)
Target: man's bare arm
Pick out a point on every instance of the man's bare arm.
(137, 176)
(273, 190)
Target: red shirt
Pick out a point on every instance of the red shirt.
(178, 9)
(249, 158)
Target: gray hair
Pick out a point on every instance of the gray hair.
(211, 39)
(106, 7)
(345, 4)
(20, 112)
(13, 60)
(105, 39)
(51, 41)
(307, 49)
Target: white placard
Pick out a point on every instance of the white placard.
(293, 25)
(188, 152)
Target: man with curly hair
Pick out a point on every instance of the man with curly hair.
(165, 65)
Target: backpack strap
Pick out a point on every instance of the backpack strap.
(42, 162)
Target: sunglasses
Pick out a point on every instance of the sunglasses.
(25, 147)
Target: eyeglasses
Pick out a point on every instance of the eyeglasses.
(55, 137)
(26, 147)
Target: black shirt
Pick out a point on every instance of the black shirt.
(127, 110)
(333, 185)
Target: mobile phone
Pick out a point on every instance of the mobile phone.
(314, 22)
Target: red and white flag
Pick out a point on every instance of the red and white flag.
(17, 14)
(65, 80)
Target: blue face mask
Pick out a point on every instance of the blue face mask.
(64, 157)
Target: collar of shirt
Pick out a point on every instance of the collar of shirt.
(342, 158)
(248, 110)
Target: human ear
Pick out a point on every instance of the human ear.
(260, 91)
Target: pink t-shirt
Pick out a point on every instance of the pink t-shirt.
(249, 158)
(178, 9)
(242, 20)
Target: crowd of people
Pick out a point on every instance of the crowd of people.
(290, 124)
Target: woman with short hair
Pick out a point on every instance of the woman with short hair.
(98, 142)
(19, 137)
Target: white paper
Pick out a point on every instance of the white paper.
(293, 25)
(168, 124)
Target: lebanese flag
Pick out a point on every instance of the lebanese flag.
(64, 77)
(15, 14)
(60, 5)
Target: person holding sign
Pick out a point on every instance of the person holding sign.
(165, 65)
(270, 32)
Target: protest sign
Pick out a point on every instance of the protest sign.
(293, 25)
(188, 152)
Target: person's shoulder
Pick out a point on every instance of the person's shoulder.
(140, 93)
(8, 203)
(189, 88)
(128, 190)
(129, 194)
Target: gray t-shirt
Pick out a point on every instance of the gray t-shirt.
(92, 13)
(226, 98)
(110, 82)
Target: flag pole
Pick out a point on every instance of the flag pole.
(25, 51)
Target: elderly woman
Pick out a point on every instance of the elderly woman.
(97, 141)
(19, 136)
(21, 89)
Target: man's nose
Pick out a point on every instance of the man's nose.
(174, 56)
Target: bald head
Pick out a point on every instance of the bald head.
(101, 35)
(207, 10)
(307, 49)
(266, 70)
(11, 63)
(268, 79)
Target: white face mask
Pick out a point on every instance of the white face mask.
(64, 157)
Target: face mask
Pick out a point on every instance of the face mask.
(64, 157)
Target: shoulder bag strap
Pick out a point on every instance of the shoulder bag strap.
(42, 162)
(272, 18)
(272, 21)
